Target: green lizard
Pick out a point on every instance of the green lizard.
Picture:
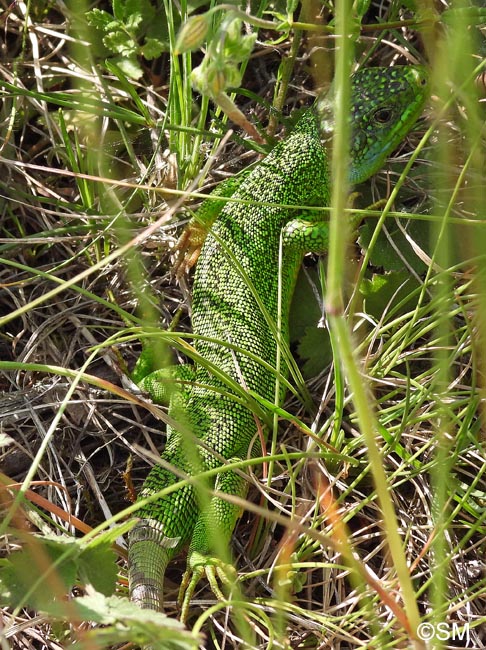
(235, 308)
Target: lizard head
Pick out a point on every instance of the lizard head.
(385, 103)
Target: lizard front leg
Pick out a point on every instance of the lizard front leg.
(189, 244)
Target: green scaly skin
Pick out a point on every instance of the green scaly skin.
(240, 257)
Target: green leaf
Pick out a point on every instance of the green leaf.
(107, 610)
(119, 9)
(401, 254)
(315, 349)
(99, 19)
(291, 6)
(312, 341)
(28, 577)
(362, 7)
(11, 591)
(130, 66)
(305, 310)
(112, 534)
(391, 291)
(125, 622)
(464, 15)
(143, 8)
(158, 28)
(97, 566)
(118, 42)
(134, 21)
(152, 48)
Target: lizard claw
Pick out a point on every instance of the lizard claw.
(215, 570)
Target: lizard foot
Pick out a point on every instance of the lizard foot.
(189, 246)
(216, 571)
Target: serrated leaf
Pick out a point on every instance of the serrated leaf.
(110, 609)
(400, 255)
(126, 622)
(99, 19)
(152, 48)
(114, 26)
(391, 291)
(119, 43)
(133, 22)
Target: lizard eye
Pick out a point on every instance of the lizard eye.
(383, 115)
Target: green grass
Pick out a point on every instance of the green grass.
(103, 154)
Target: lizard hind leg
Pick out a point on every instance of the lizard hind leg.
(209, 548)
(165, 524)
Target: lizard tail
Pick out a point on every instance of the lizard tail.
(149, 553)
